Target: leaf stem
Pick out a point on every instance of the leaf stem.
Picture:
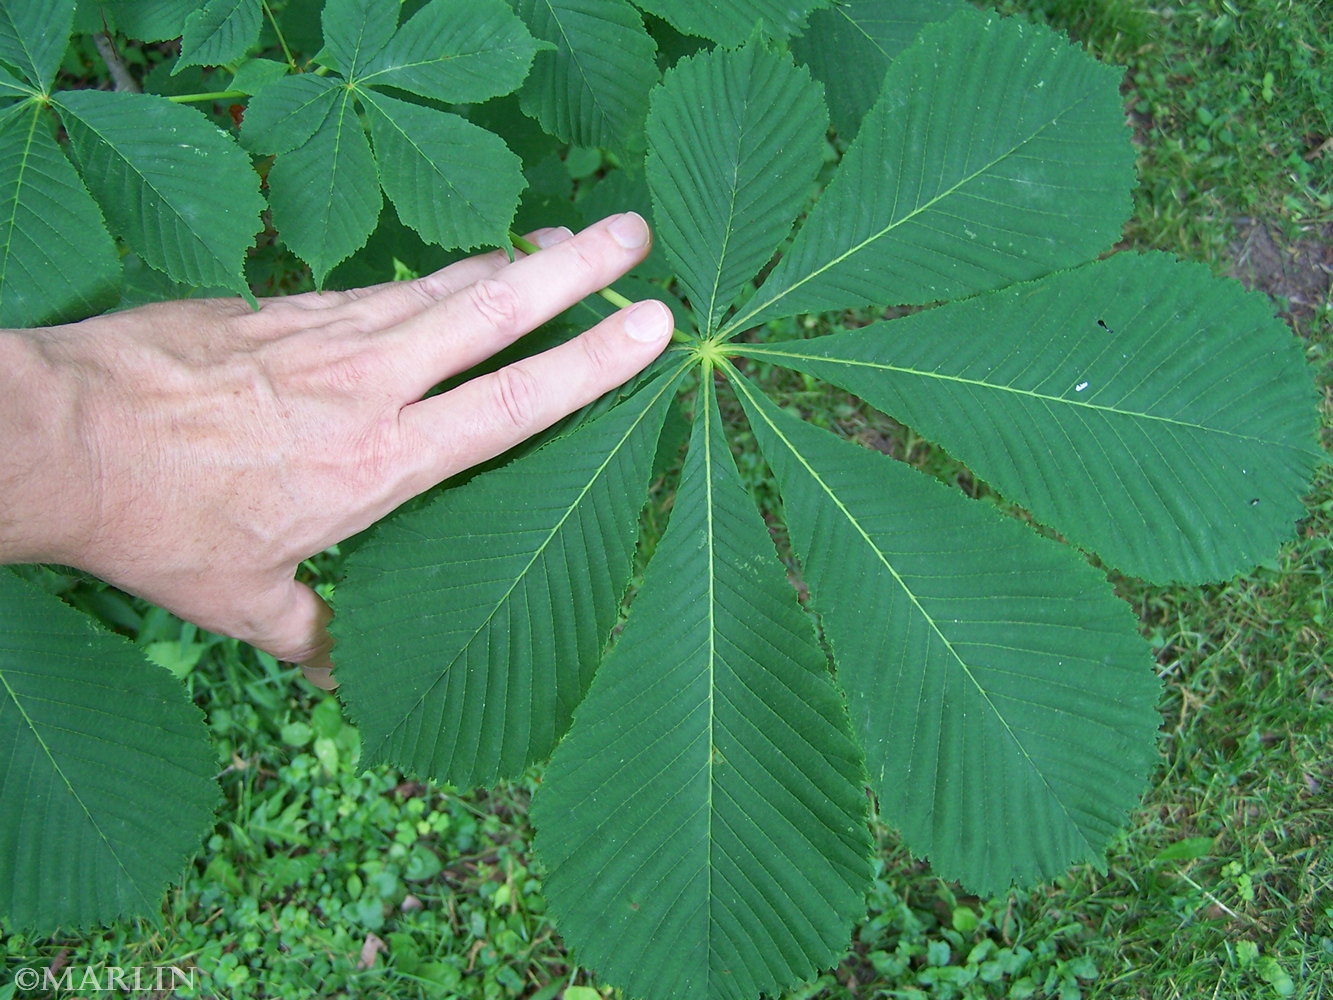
(610, 294)
(217, 95)
(268, 11)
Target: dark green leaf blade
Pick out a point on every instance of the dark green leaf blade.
(997, 153)
(105, 768)
(57, 261)
(457, 50)
(736, 21)
(176, 189)
(1002, 692)
(325, 195)
(454, 183)
(219, 32)
(703, 824)
(287, 112)
(1151, 412)
(849, 46)
(727, 183)
(356, 32)
(491, 605)
(592, 88)
(34, 36)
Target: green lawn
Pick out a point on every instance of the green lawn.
(321, 880)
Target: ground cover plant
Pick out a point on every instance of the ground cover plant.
(745, 64)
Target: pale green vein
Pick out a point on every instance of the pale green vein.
(668, 384)
(743, 386)
(755, 351)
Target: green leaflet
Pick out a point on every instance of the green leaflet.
(703, 824)
(490, 606)
(454, 183)
(592, 88)
(221, 31)
(105, 768)
(189, 207)
(285, 113)
(147, 20)
(325, 195)
(471, 50)
(1004, 698)
(849, 46)
(56, 260)
(1010, 164)
(33, 37)
(727, 181)
(356, 32)
(734, 22)
(1157, 415)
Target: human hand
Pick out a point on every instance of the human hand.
(198, 451)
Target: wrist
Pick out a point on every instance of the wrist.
(40, 504)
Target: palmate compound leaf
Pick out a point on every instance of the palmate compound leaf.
(1150, 412)
(1004, 698)
(849, 45)
(57, 261)
(703, 824)
(592, 88)
(490, 606)
(997, 153)
(176, 189)
(734, 140)
(106, 770)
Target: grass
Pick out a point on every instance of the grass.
(319, 880)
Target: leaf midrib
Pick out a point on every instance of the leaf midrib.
(739, 322)
(668, 384)
(750, 350)
(742, 385)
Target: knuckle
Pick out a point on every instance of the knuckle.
(599, 358)
(517, 396)
(495, 301)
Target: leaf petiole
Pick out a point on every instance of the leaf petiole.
(610, 294)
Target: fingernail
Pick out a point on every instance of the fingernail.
(550, 237)
(629, 230)
(648, 321)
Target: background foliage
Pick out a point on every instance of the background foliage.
(1200, 897)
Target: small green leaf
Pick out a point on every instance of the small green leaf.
(1148, 411)
(254, 75)
(457, 50)
(176, 189)
(105, 764)
(454, 183)
(57, 261)
(221, 31)
(355, 32)
(1006, 703)
(285, 114)
(734, 22)
(727, 184)
(703, 825)
(34, 36)
(325, 195)
(592, 88)
(1032, 172)
(849, 46)
(492, 604)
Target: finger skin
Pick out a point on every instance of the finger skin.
(489, 415)
(466, 328)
